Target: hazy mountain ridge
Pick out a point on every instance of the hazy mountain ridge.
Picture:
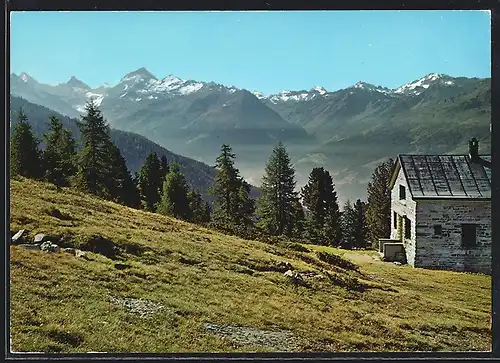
(346, 130)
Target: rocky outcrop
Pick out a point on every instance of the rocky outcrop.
(48, 246)
(294, 277)
(18, 237)
(42, 242)
(40, 237)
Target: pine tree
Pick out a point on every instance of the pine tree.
(199, 208)
(25, 156)
(232, 203)
(150, 180)
(360, 228)
(94, 158)
(174, 199)
(378, 211)
(297, 224)
(120, 183)
(275, 207)
(163, 169)
(320, 198)
(244, 205)
(348, 225)
(354, 225)
(59, 154)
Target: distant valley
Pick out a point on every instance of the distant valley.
(347, 131)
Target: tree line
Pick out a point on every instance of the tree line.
(95, 165)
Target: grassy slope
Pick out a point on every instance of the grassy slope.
(60, 303)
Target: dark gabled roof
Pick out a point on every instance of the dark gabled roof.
(444, 176)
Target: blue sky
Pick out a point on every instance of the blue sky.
(265, 51)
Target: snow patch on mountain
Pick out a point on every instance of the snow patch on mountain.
(285, 96)
(259, 95)
(97, 97)
(136, 78)
(190, 88)
(424, 82)
(319, 89)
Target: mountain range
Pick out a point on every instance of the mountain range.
(348, 131)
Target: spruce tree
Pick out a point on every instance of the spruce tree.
(200, 210)
(94, 158)
(348, 225)
(320, 198)
(378, 209)
(25, 156)
(150, 180)
(59, 154)
(163, 169)
(120, 182)
(232, 203)
(174, 199)
(244, 205)
(354, 225)
(360, 227)
(297, 224)
(275, 207)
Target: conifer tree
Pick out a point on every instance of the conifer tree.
(163, 169)
(174, 199)
(232, 203)
(275, 207)
(150, 181)
(120, 183)
(244, 205)
(354, 221)
(25, 156)
(297, 224)
(59, 154)
(94, 158)
(200, 210)
(320, 198)
(378, 209)
(348, 225)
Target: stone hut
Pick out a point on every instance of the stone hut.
(441, 211)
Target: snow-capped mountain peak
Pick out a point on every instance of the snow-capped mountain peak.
(425, 82)
(25, 77)
(319, 89)
(142, 74)
(259, 95)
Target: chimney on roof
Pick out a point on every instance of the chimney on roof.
(474, 149)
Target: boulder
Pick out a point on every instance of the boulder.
(30, 246)
(70, 250)
(40, 237)
(48, 246)
(293, 275)
(19, 236)
(82, 255)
